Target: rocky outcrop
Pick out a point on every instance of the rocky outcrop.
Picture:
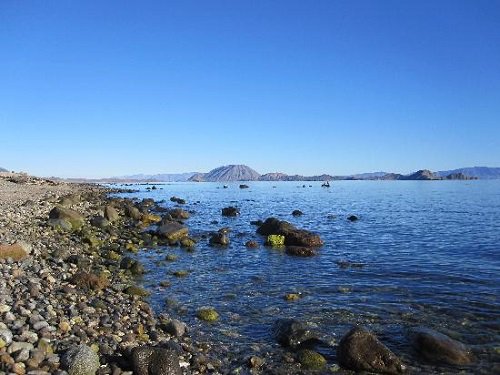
(360, 350)
(423, 174)
(293, 236)
(438, 348)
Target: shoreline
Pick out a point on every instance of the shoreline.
(68, 288)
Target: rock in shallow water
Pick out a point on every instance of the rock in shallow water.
(80, 360)
(439, 348)
(360, 350)
(293, 333)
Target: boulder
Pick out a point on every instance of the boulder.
(60, 224)
(297, 213)
(438, 348)
(207, 314)
(90, 281)
(111, 213)
(300, 251)
(134, 266)
(252, 244)
(69, 200)
(148, 360)
(16, 251)
(220, 238)
(311, 360)
(293, 333)
(173, 231)
(175, 328)
(293, 236)
(352, 218)
(133, 212)
(178, 200)
(360, 350)
(74, 218)
(99, 222)
(179, 214)
(230, 211)
(243, 186)
(80, 360)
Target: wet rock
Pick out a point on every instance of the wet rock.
(17, 251)
(135, 290)
(220, 238)
(134, 266)
(438, 348)
(311, 360)
(74, 218)
(175, 328)
(352, 218)
(257, 223)
(293, 236)
(133, 212)
(179, 214)
(360, 350)
(300, 251)
(297, 213)
(188, 243)
(148, 219)
(292, 296)
(80, 360)
(173, 231)
(255, 362)
(177, 200)
(207, 314)
(293, 333)
(149, 360)
(243, 186)
(230, 211)
(252, 244)
(111, 214)
(99, 222)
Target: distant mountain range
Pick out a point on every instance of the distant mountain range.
(240, 172)
(3, 169)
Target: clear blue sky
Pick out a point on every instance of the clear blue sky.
(106, 88)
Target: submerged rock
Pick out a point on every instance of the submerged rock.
(352, 218)
(177, 200)
(80, 360)
(439, 348)
(300, 251)
(360, 350)
(297, 213)
(230, 211)
(293, 333)
(311, 360)
(148, 360)
(207, 314)
(243, 186)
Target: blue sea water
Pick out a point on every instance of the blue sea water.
(430, 252)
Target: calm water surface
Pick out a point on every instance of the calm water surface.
(430, 251)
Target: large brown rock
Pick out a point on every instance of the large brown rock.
(111, 213)
(360, 350)
(16, 251)
(439, 348)
(61, 213)
(179, 214)
(148, 360)
(173, 231)
(293, 235)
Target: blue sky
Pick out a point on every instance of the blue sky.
(106, 88)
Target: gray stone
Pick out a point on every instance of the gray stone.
(293, 333)
(80, 360)
(175, 328)
(149, 360)
(6, 336)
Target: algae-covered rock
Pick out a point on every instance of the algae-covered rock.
(135, 290)
(275, 240)
(74, 218)
(208, 314)
(90, 281)
(180, 273)
(188, 243)
(171, 258)
(179, 214)
(292, 296)
(311, 360)
(110, 213)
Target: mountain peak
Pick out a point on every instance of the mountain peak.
(233, 172)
